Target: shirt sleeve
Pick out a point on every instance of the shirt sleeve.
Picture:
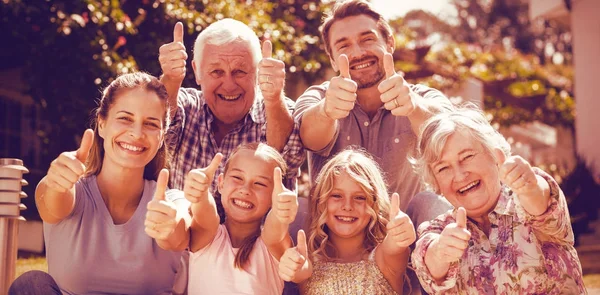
(187, 98)
(310, 97)
(427, 233)
(554, 224)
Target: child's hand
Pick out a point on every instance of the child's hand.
(400, 229)
(66, 170)
(161, 216)
(294, 259)
(454, 239)
(285, 202)
(198, 181)
(519, 176)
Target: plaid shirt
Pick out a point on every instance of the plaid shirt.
(193, 145)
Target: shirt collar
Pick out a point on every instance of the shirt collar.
(505, 205)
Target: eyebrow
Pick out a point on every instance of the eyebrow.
(131, 114)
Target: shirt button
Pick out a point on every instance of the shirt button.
(397, 140)
(366, 124)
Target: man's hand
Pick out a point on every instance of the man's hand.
(198, 181)
(341, 94)
(285, 202)
(395, 93)
(172, 56)
(161, 216)
(66, 170)
(271, 74)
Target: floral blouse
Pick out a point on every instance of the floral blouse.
(524, 254)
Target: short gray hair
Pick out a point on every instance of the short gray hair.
(436, 131)
(226, 31)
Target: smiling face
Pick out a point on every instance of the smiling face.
(360, 39)
(227, 76)
(347, 206)
(133, 129)
(467, 174)
(247, 185)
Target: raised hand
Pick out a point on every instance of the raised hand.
(294, 259)
(161, 216)
(271, 74)
(285, 202)
(198, 181)
(453, 240)
(65, 170)
(172, 56)
(341, 94)
(517, 173)
(395, 93)
(400, 229)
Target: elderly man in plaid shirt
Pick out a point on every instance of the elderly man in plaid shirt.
(241, 101)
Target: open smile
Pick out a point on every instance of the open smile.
(472, 186)
(346, 219)
(363, 64)
(242, 204)
(229, 97)
(131, 148)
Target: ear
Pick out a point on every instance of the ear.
(500, 157)
(101, 124)
(333, 64)
(391, 43)
(220, 183)
(196, 74)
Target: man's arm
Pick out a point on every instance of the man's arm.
(172, 58)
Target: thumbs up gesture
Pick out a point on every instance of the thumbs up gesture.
(271, 74)
(161, 215)
(172, 56)
(65, 170)
(453, 240)
(340, 97)
(198, 181)
(517, 173)
(400, 229)
(285, 202)
(395, 93)
(294, 260)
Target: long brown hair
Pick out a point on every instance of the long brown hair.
(124, 83)
(242, 256)
(365, 171)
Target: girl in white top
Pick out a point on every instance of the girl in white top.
(240, 256)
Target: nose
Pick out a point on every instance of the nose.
(355, 52)
(136, 131)
(347, 205)
(229, 83)
(460, 173)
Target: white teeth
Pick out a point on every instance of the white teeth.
(243, 204)
(230, 97)
(346, 219)
(362, 66)
(468, 186)
(131, 147)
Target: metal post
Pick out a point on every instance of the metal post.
(11, 182)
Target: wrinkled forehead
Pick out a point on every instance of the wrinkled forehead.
(237, 51)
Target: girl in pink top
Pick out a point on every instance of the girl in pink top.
(357, 241)
(242, 255)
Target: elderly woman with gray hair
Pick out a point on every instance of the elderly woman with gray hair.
(510, 231)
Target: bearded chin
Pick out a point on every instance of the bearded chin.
(370, 80)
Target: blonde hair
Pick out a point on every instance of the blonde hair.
(436, 131)
(365, 171)
(110, 94)
(269, 153)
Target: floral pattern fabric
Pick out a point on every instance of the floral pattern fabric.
(524, 254)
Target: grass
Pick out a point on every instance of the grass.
(592, 281)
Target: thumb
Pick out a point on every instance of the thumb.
(388, 64)
(86, 144)
(214, 165)
(267, 49)
(395, 206)
(461, 217)
(178, 32)
(161, 185)
(301, 247)
(344, 66)
(277, 182)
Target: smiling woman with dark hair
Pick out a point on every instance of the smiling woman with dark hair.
(510, 231)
